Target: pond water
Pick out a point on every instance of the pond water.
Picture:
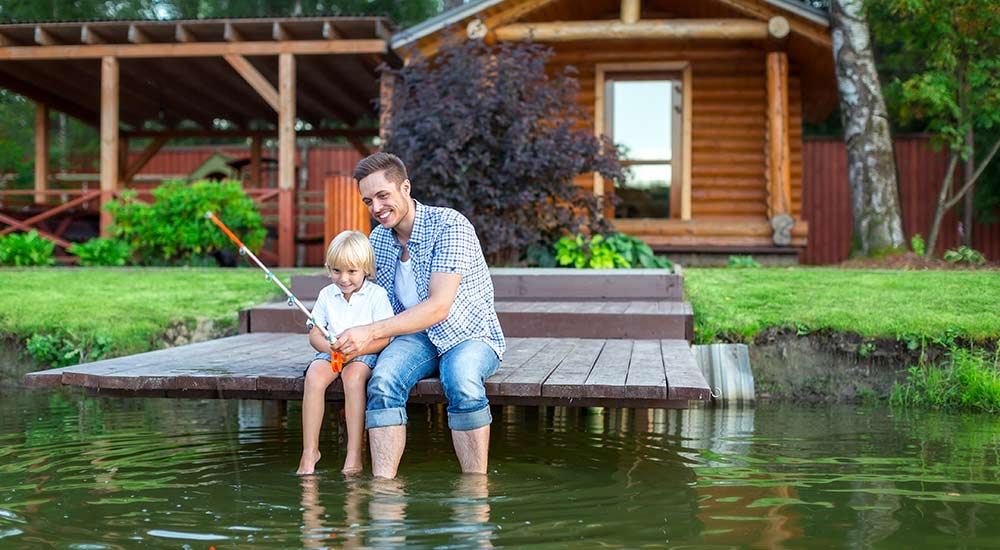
(85, 473)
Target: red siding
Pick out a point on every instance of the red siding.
(827, 197)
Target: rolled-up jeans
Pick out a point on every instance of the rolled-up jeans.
(409, 359)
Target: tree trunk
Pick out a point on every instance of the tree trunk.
(967, 206)
(944, 203)
(870, 160)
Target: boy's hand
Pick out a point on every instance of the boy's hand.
(353, 340)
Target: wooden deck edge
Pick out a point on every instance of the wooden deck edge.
(416, 399)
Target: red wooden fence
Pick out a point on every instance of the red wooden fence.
(827, 199)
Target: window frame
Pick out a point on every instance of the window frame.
(605, 73)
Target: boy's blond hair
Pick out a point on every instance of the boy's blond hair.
(351, 249)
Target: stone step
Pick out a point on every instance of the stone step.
(637, 319)
(552, 284)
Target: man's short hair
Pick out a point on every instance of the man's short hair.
(395, 170)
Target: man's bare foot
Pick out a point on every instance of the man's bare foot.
(352, 466)
(307, 464)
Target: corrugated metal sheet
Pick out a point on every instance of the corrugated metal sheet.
(921, 169)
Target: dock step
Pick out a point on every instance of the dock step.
(535, 371)
(632, 319)
(552, 284)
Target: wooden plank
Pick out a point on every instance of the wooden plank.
(109, 137)
(519, 351)
(567, 379)
(646, 378)
(684, 377)
(630, 11)
(144, 157)
(256, 80)
(196, 366)
(607, 379)
(194, 49)
(41, 151)
(527, 380)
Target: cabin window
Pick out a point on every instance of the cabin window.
(643, 116)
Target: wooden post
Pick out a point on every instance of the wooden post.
(41, 151)
(286, 160)
(779, 168)
(630, 11)
(255, 161)
(387, 85)
(109, 136)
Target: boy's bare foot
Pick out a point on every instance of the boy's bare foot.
(307, 464)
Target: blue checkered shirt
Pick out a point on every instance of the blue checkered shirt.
(443, 241)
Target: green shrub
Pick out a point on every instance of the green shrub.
(968, 379)
(101, 252)
(600, 252)
(173, 230)
(63, 348)
(918, 245)
(742, 262)
(964, 255)
(636, 252)
(26, 249)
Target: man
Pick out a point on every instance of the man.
(432, 264)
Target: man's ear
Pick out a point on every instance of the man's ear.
(405, 187)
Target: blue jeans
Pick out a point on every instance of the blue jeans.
(409, 359)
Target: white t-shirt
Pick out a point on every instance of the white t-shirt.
(406, 285)
(367, 305)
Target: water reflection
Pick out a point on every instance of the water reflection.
(121, 473)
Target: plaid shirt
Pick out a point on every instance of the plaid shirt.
(443, 241)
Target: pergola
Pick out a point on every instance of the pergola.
(264, 77)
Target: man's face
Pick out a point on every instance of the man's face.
(387, 202)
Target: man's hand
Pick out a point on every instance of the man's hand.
(353, 340)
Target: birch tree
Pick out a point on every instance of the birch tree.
(870, 160)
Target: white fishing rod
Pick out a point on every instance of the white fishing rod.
(336, 358)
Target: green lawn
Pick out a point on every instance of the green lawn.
(131, 306)
(739, 303)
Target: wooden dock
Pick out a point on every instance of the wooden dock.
(604, 340)
(268, 365)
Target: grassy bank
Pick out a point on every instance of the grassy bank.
(738, 304)
(123, 310)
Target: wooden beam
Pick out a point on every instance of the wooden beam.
(329, 32)
(814, 32)
(231, 34)
(670, 29)
(41, 151)
(89, 36)
(316, 132)
(779, 178)
(286, 159)
(183, 34)
(193, 49)
(254, 79)
(109, 136)
(6, 41)
(138, 36)
(45, 38)
(630, 11)
(280, 32)
(144, 158)
(778, 27)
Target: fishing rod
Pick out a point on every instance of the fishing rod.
(336, 358)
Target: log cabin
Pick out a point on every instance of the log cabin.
(728, 82)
